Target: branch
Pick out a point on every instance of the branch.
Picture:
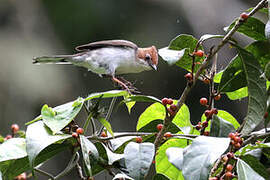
(205, 63)
(187, 136)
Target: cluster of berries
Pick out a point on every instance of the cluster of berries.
(172, 109)
(236, 140)
(78, 131)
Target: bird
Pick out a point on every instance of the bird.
(108, 58)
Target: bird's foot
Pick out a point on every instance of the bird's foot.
(126, 85)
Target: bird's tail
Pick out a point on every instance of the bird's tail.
(60, 59)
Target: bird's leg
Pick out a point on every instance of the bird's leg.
(121, 84)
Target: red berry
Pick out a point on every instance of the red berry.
(228, 174)
(206, 133)
(230, 155)
(225, 158)
(159, 127)
(75, 135)
(231, 135)
(15, 128)
(164, 101)
(205, 124)
(172, 113)
(229, 167)
(7, 137)
(103, 134)
(198, 127)
(199, 53)
(206, 81)
(208, 114)
(79, 130)
(237, 139)
(173, 107)
(189, 76)
(170, 101)
(265, 115)
(214, 111)
(217, 97)
(203, 101)
(138, 139)
(168, 134)
(237, 145)
(244, 16)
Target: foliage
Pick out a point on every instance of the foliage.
(217, 147)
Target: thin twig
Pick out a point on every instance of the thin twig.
(188, 136)
(108, 114)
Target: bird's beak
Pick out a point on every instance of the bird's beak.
(154, 67)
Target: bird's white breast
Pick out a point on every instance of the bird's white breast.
(111, 60)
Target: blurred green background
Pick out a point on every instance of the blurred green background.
(41, 27)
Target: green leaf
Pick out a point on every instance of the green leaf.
(228, 117)
(39, 137)
(107, 94)
(87, 148)
(200, 156)
(256, 90)
(250, 147)
(163, 166)
(142, 98)
(129, 104)
(238, 94)
(245, 172)
(152, 127)
(13, 158)
(106, 124)
(220, 127)
(138, 158)
(255, 164)
(253, 28)
(231, 80)
(157, 111)
(178, 52)
(60, 116)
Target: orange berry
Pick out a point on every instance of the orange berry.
(164, 101)
(199, 53)
(237, 145)
(173, 107)
(15, 128)
(229, 167)
(159, 127)
(79, 130)
(138, 139)
(75, 135)
(217, 97)
(168, 134)
(203, 101)
(103, 134)
(228, 174)
(170, 101)
(206, 81)
(244, 16)
(189, 76)
(208, 114)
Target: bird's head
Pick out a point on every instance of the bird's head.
(149, 56)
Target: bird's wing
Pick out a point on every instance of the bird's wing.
(100, 44)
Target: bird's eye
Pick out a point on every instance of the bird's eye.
(147, 57)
